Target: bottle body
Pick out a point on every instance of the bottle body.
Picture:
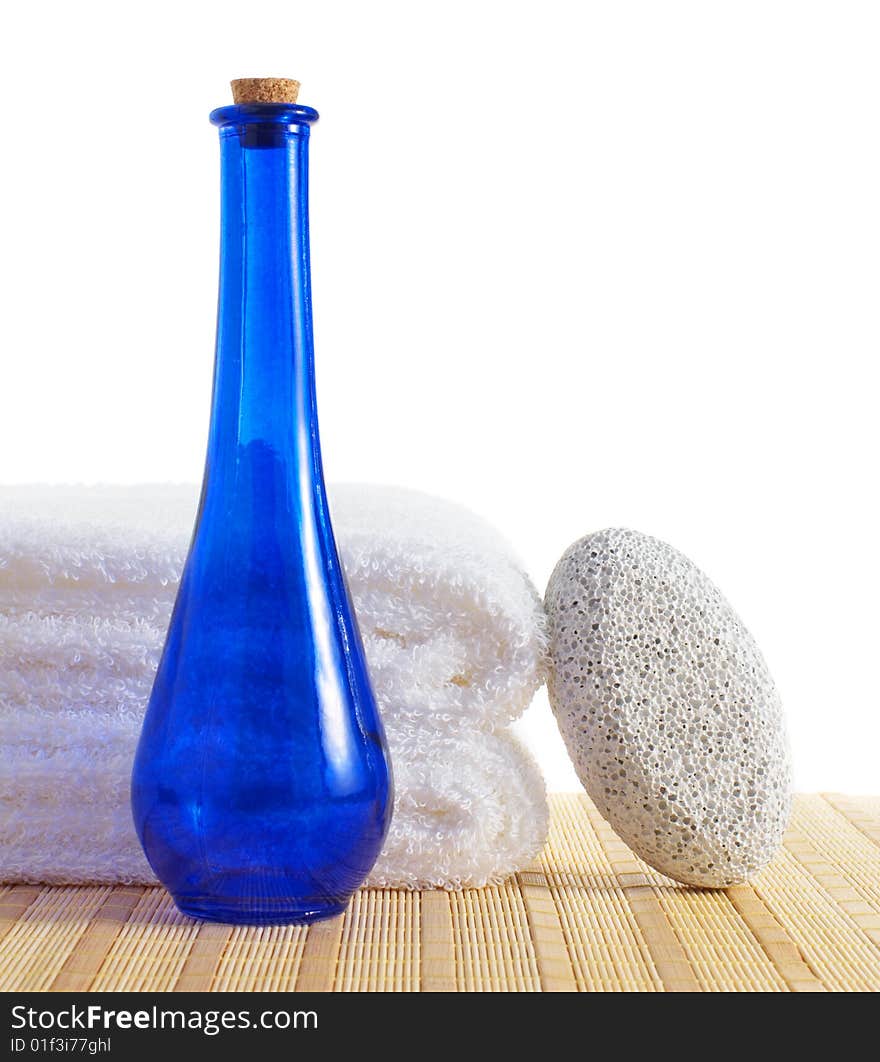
(261, 788)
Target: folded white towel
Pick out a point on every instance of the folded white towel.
(452, 628)
(470, 809)
(452, 625)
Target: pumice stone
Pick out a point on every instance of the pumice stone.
(667, 709)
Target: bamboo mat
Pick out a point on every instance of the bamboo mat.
(587, 916)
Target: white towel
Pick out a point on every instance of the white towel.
(453, 633)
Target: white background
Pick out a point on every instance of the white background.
(575, 265)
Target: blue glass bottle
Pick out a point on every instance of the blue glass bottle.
(261, 787)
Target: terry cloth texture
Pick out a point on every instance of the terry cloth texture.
(453, 630)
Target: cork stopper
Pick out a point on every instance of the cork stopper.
(265, 90)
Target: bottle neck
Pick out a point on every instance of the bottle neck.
(263, 408)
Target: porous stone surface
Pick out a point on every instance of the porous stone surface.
(668, 711)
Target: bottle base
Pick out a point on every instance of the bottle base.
(232, 914)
